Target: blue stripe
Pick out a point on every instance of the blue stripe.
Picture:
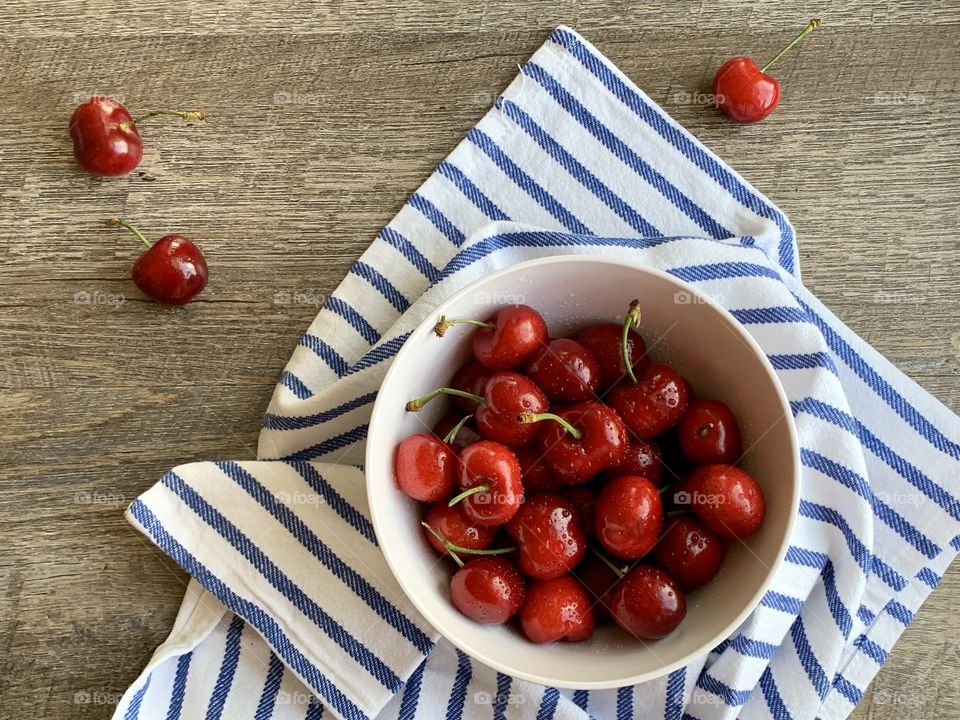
(846, 688)
(860, 552)
(526, 183)
(300, 422)
(731, 697)
(435, 216)
(899, 611)
(337, 442)
(720, 271)
(411, 693)
(623, 152)
(581, 698)
(470, 191)
(886, 573)
(282, 583)
(326, 353)
(870, 441)
(381, 284)
(179, 686)
(873, 651)
(770, 315)
(839, 611)
(695, 152)
(768, 686)
(502, 698)
(355, 319)
(133, 709)
(271, 686)
(810, 558)
(381, 352)
(254, 614)
(803, 361)
(783, 603)
(410, 252)
(928, 577)
(577, 170)
(295, 384)
(548, 703)
(228, 668)
(334, 499)
(458, 693)
(320, 550)
(753, 648)
(866, 617)
(314, 710)
(808, 659)
(673, 704)
(625, 703)
(884, 390)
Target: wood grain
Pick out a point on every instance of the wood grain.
(324, 116)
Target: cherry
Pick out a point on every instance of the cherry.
(490, 481)
(171, 271)
(648, 603)
(708, 433)
(453, 525)
(456, 431)
(534, 473)
(425, 467)
(583, 500)
(744, 91)
(507, 339)
(580, 441)
(727, 500)
(105, 136)
(599, 577)
(557, 609)
(565, 370)
(627, 516)
(612, 344)
(654, 404)
(507, 395)
(550, 540)
(642, 458)
(487, 590)
(472, 378)
(689, 552)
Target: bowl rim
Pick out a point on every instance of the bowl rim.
(426, 325)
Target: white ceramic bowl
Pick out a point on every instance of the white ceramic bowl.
(682, 327)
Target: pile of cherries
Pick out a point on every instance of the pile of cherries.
(574, 479)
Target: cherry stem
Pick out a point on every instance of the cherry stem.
(443, 541)
(417, 405)
(453, 548)
(131, 228)
(189, 115)
(525, 418)
(632, 318)
(663, 489)
(606, 561)
(483, 487)
(443, 324)
(811, 26)
(452, 435)
(704, 429)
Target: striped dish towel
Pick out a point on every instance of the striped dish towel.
(292, 611)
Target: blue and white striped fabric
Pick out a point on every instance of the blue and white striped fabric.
(292, 612)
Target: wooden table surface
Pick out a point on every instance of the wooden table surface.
(323, 117)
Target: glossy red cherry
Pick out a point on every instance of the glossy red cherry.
(507, 339)
(648, 603)
(490, 481)
(744, 91)
(105, 137)
(171, 271)
(557, 609)
(689, 552)
(641, 458)
(599, 579)
(534, 473)
(565, 370)
(507, 395)
(453, 525)
(465, 434)
(628, 516)
(580, 440)
(708, 433)
(472, 378)
(488, 590)
(550, 540)
(425, 467)
(612, 344)
(655, 404)
(727, 500)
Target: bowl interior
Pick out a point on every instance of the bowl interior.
(683, 328)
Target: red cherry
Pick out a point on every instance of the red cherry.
(583, 500)
(648, 603)
(744, 91)
(453, 525)
(727, 500)
(507, 339)
(565, 370)
(105, 137)
(534, 473)
(507, 395)
(464, 436)
(611, 344)
(641, 458)
(550, 541)
(472, 378)
(171, 271)
(654, 404)
(599, 579)
(580, 441)
(689, 552)
(557, 609)
(708, 433)
(425, 467)
(487, 590)
(628, 516)
(490, 481)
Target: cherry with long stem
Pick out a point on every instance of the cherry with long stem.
(453, 548)
(187, 115)
(443, 324)
(811, 26)
(118, 222)
(417, 404)
(452, 435)
(631, 319)
(482, 487)
(525, 418)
